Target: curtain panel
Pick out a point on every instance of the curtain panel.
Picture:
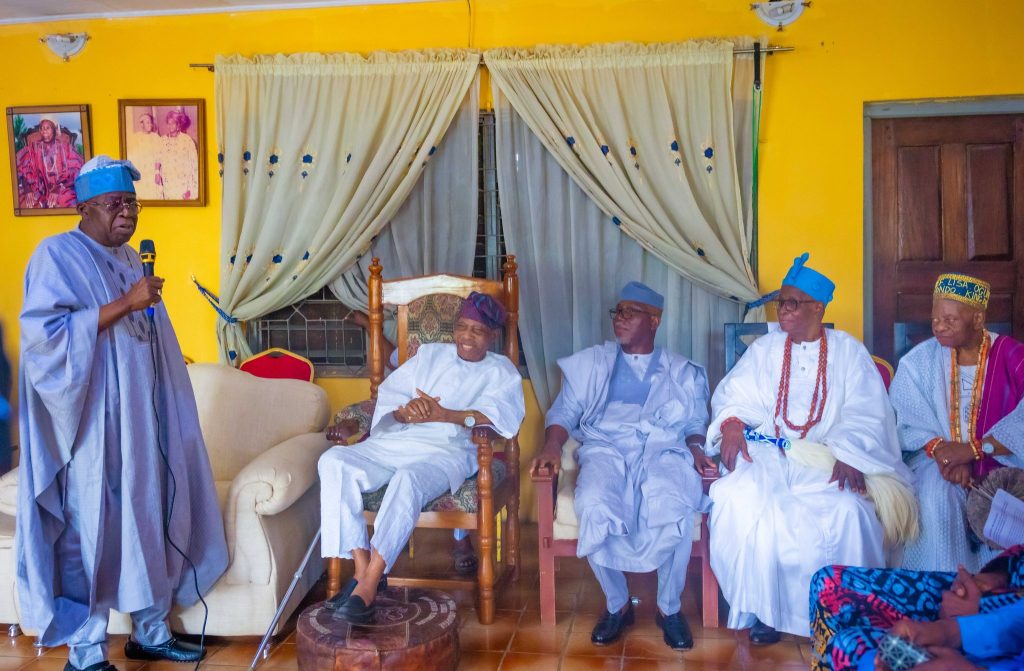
(567, 243)
(435, 229)
(318, 152)
(573, 262)
(647, 132)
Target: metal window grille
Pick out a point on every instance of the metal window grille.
(322, 329)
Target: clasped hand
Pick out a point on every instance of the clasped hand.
(954, 461)
(423, 408)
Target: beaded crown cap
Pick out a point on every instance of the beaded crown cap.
(963, 288)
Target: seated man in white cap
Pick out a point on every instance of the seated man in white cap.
(115, 477)
(959, 400)
(775, 520)
(639, 413)
(419, 446)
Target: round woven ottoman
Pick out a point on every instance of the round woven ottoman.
(412, 629)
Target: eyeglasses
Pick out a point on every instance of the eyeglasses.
(626, 313)
(790, 304)
(115, 206)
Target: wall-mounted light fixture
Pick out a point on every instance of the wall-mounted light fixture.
(779, 13)
(65, 45)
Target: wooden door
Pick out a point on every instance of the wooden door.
(948, 196)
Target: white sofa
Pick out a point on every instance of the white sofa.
(264, 438)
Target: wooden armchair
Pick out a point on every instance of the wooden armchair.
(427, 308)
(557, 530)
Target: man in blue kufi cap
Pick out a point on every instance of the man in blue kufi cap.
(107, 419)
(774, 519)
(639, 414)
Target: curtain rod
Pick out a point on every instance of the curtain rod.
(766, 50)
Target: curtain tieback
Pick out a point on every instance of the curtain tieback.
(214, 302)
(768, 297)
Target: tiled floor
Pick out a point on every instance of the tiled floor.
(516, 640)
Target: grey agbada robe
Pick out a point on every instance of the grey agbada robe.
(90, 458)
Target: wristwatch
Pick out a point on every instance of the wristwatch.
(469, 421)
(988, 446)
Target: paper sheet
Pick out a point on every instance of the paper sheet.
(1005, 523)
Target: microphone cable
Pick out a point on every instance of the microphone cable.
(172, 481)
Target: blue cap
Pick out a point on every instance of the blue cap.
(809, 281)
(103, 174)
(641, 293)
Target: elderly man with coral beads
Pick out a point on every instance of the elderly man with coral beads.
(958, 400)
(800, 420)
(639, 414)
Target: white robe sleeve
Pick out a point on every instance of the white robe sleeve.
(396, 390)
(863, 434)
(913, 396)
(502, 401)
(697, 388)
(740, 394)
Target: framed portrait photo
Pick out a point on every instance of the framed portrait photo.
(166, 141)
(48, 146)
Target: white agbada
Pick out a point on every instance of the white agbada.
(426, 459)
(774, 522)
(920, 396)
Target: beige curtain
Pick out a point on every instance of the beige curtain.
(317, 153)
(647, 132)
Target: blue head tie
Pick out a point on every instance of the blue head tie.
(103, 174)
(809, 280)
(641, 293)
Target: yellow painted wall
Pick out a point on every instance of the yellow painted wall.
(847, 52)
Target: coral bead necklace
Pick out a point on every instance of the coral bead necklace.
(954, 392)
(817, 400)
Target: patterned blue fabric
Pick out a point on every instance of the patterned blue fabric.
(852, 608)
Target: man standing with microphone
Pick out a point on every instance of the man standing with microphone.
(116, 497)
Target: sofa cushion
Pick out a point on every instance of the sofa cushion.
(465, 500)
(566, 525)
(241, 416)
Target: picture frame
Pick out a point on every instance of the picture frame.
(48, 145)
(166, 140)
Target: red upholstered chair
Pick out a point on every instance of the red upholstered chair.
(885, 370)
(279, 364)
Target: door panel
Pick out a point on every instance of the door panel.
(948, 196)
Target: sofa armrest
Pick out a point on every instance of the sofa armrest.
(9, 493)
(275, 479)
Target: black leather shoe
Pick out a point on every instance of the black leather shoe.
(611, 626)
(762, 634)
(105, 665)
(339, 599)
(356, 611)
(172, 650)
(675, 630)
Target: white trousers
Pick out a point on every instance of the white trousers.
(413, 480)
(671, 581)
